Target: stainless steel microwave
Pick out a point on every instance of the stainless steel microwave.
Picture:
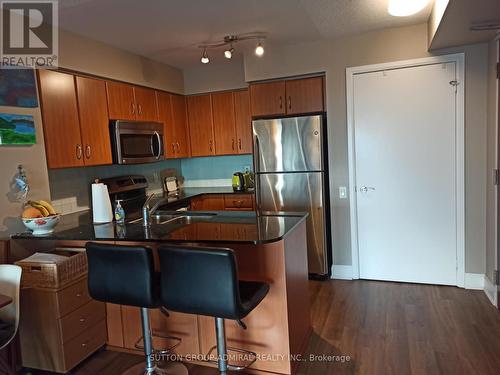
(136, 142)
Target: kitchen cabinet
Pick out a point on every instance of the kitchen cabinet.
(208, 202)
(243, 121)
(268, 98)
(145, 101)
(172, 112)
(288, 97)
(63, 144)
(94, 123)
(224, 123)
(128, 102)
(200, 125)
(121, 102)
(304, 95)
(180, 121)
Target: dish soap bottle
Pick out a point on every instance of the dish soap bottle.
(119, 213)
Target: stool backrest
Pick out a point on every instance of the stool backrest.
(122, 274)
(197, 280)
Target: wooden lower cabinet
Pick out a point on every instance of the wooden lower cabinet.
(59, 328)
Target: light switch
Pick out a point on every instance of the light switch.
(342, 192)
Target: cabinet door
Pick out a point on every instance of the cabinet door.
(145, 102)
(224, 123)
(165, 116)
(200, 125)
(94, 122)
(121, 104)
(179, 114)
(213, 202)
(267, 99)
(243, 122)
(304, 95)
(61, 126)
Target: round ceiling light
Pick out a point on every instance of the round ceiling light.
(404, 8)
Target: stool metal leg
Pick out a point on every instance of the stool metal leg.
(221, 345)
(148, 343)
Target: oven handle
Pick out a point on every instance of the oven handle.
(158, 138)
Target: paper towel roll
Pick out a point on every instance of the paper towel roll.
(101, 204)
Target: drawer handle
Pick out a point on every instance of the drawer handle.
(84, 345)
(82, 320)
(79, 294)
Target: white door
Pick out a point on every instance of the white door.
(405, 170)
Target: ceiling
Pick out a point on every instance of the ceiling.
(454, 29)
(169, 31)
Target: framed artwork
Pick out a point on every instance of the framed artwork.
(17, 129)
(18, 88)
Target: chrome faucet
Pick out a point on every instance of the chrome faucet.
(146, 212)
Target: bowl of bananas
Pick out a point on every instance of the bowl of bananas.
(40, 217)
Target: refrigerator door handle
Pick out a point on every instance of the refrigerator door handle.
(258, 200)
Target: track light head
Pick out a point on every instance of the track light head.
(259, 50)
(204, 57)
(228, 53)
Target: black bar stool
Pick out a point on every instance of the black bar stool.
(204, 281)
(125, 275)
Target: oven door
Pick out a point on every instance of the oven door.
(138, 142)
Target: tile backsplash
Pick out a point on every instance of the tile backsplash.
(70, 187)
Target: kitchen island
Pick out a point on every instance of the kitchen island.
(269, 247)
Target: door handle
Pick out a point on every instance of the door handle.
(281, 102)
(139, 109)
(88, 151)
(232, 144)
(133, 108)
(178, 147)
(289, 102)
(158, 139)
(239, 143)
(365, 189)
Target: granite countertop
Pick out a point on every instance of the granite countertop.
(192, 226)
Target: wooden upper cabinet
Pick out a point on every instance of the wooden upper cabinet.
(60, 119)
(304, 95)
(268, 98)
(145, 104)
(94, 124)
(165, 116)
(121, 104)
(243, 120)
(180, 121)
(200, 125)
(224, 123)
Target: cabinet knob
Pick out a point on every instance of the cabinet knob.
(79, 152)
(88, 151)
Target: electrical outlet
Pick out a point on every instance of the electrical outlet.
(342, 192)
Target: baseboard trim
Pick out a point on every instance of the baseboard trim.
(341, 272)
(490, 290)
(474, 281)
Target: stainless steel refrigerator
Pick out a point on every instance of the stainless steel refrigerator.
(290, 176)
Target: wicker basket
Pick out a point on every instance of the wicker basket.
(36, 274)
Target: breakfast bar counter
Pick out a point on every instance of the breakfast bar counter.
(269, 247)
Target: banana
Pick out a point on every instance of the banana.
(38, 206)
(48, 206)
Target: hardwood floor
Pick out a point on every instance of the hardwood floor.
(370, 327)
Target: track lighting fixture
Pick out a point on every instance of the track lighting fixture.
(204, 57)
(229, 52)
(259, 50)
(228, 42)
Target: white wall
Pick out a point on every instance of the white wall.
(214, 77)
(332, 57)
